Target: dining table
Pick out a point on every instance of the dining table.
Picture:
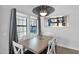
(36, 44)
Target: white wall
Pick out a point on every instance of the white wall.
(66, 36)
(4, 24)
(4, 27)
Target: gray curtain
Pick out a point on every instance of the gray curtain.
(12, 30)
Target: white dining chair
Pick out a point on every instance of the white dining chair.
(51, 46)
(18, 49)
(24, 38)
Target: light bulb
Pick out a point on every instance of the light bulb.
(43, 13)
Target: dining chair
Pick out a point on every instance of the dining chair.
(51, 46)
(18, 49)
(24, 38)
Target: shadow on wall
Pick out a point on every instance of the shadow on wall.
(62, 41)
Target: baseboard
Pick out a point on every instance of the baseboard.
(67, 47)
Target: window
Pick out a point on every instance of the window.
(26, 26)
(21, 26)
(33, 27)
(56, 21)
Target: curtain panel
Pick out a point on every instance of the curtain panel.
(12, 30)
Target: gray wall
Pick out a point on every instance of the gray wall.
(66, 36)
(4, 29)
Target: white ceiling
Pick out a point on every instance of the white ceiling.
(27, 9)
(60, 10)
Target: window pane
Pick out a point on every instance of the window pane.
(56, 22)
(53, 20)
(19, 22)
(60, 24)
(33, 27)
(19, 35)
(19, 29)
(24, 29)
(53, 24)
(33, 22)
(24, 33)
(24, 22)
(60, 18)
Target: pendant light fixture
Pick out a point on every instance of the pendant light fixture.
(43, 10)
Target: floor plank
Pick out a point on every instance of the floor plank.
(63, 50)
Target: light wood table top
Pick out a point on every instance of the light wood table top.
(37, 44)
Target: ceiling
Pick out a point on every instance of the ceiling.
(26, 9)
(59, 9)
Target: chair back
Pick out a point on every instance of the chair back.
(18, 49)
(51, 46)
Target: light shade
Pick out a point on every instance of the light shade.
(43, 10)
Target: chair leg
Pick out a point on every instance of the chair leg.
(55, 47)
(54, 51)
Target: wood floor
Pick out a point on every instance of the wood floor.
(63, 50)
(59, 50)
